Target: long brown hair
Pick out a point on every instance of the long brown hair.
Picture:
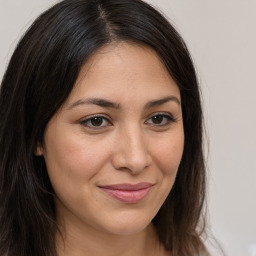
(41, 75)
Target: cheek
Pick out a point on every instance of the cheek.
(72, 164)
(73, 160)
(168, 154)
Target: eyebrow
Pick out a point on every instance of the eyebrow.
(95, 101)
(159, 102)
(109, 104)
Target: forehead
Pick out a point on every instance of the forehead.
(124, 69)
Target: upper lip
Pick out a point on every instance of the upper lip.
(128, 187)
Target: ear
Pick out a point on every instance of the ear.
(39, 149)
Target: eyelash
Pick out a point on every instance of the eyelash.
(169, 119)
(89, 119)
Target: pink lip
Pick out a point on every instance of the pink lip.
(128, 193)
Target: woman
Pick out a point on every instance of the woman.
(101, 136)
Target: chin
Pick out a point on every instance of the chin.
(128, 225)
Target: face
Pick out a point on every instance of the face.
(113, 149)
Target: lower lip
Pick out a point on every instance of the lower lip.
(128, 196)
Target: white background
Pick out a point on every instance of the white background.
(221, 35)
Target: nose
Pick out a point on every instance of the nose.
(131, 152)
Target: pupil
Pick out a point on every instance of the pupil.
(157, 119)
(96, 121)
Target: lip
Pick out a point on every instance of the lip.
(128, 193)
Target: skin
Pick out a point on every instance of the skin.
(126, 145)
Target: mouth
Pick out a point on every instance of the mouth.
(128, 193)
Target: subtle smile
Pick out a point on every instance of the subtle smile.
(128, 193)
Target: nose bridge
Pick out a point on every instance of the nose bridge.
(133, 149)
(134, 139)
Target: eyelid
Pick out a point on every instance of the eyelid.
(167, 115)
(161, 114)
(86, 119)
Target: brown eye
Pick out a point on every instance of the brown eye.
(160, 119)
(95, 122)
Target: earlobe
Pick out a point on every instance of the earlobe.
(39, 149)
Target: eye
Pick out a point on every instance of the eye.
(160, 119)
(95, 122)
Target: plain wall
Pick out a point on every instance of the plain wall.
(221, 35)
